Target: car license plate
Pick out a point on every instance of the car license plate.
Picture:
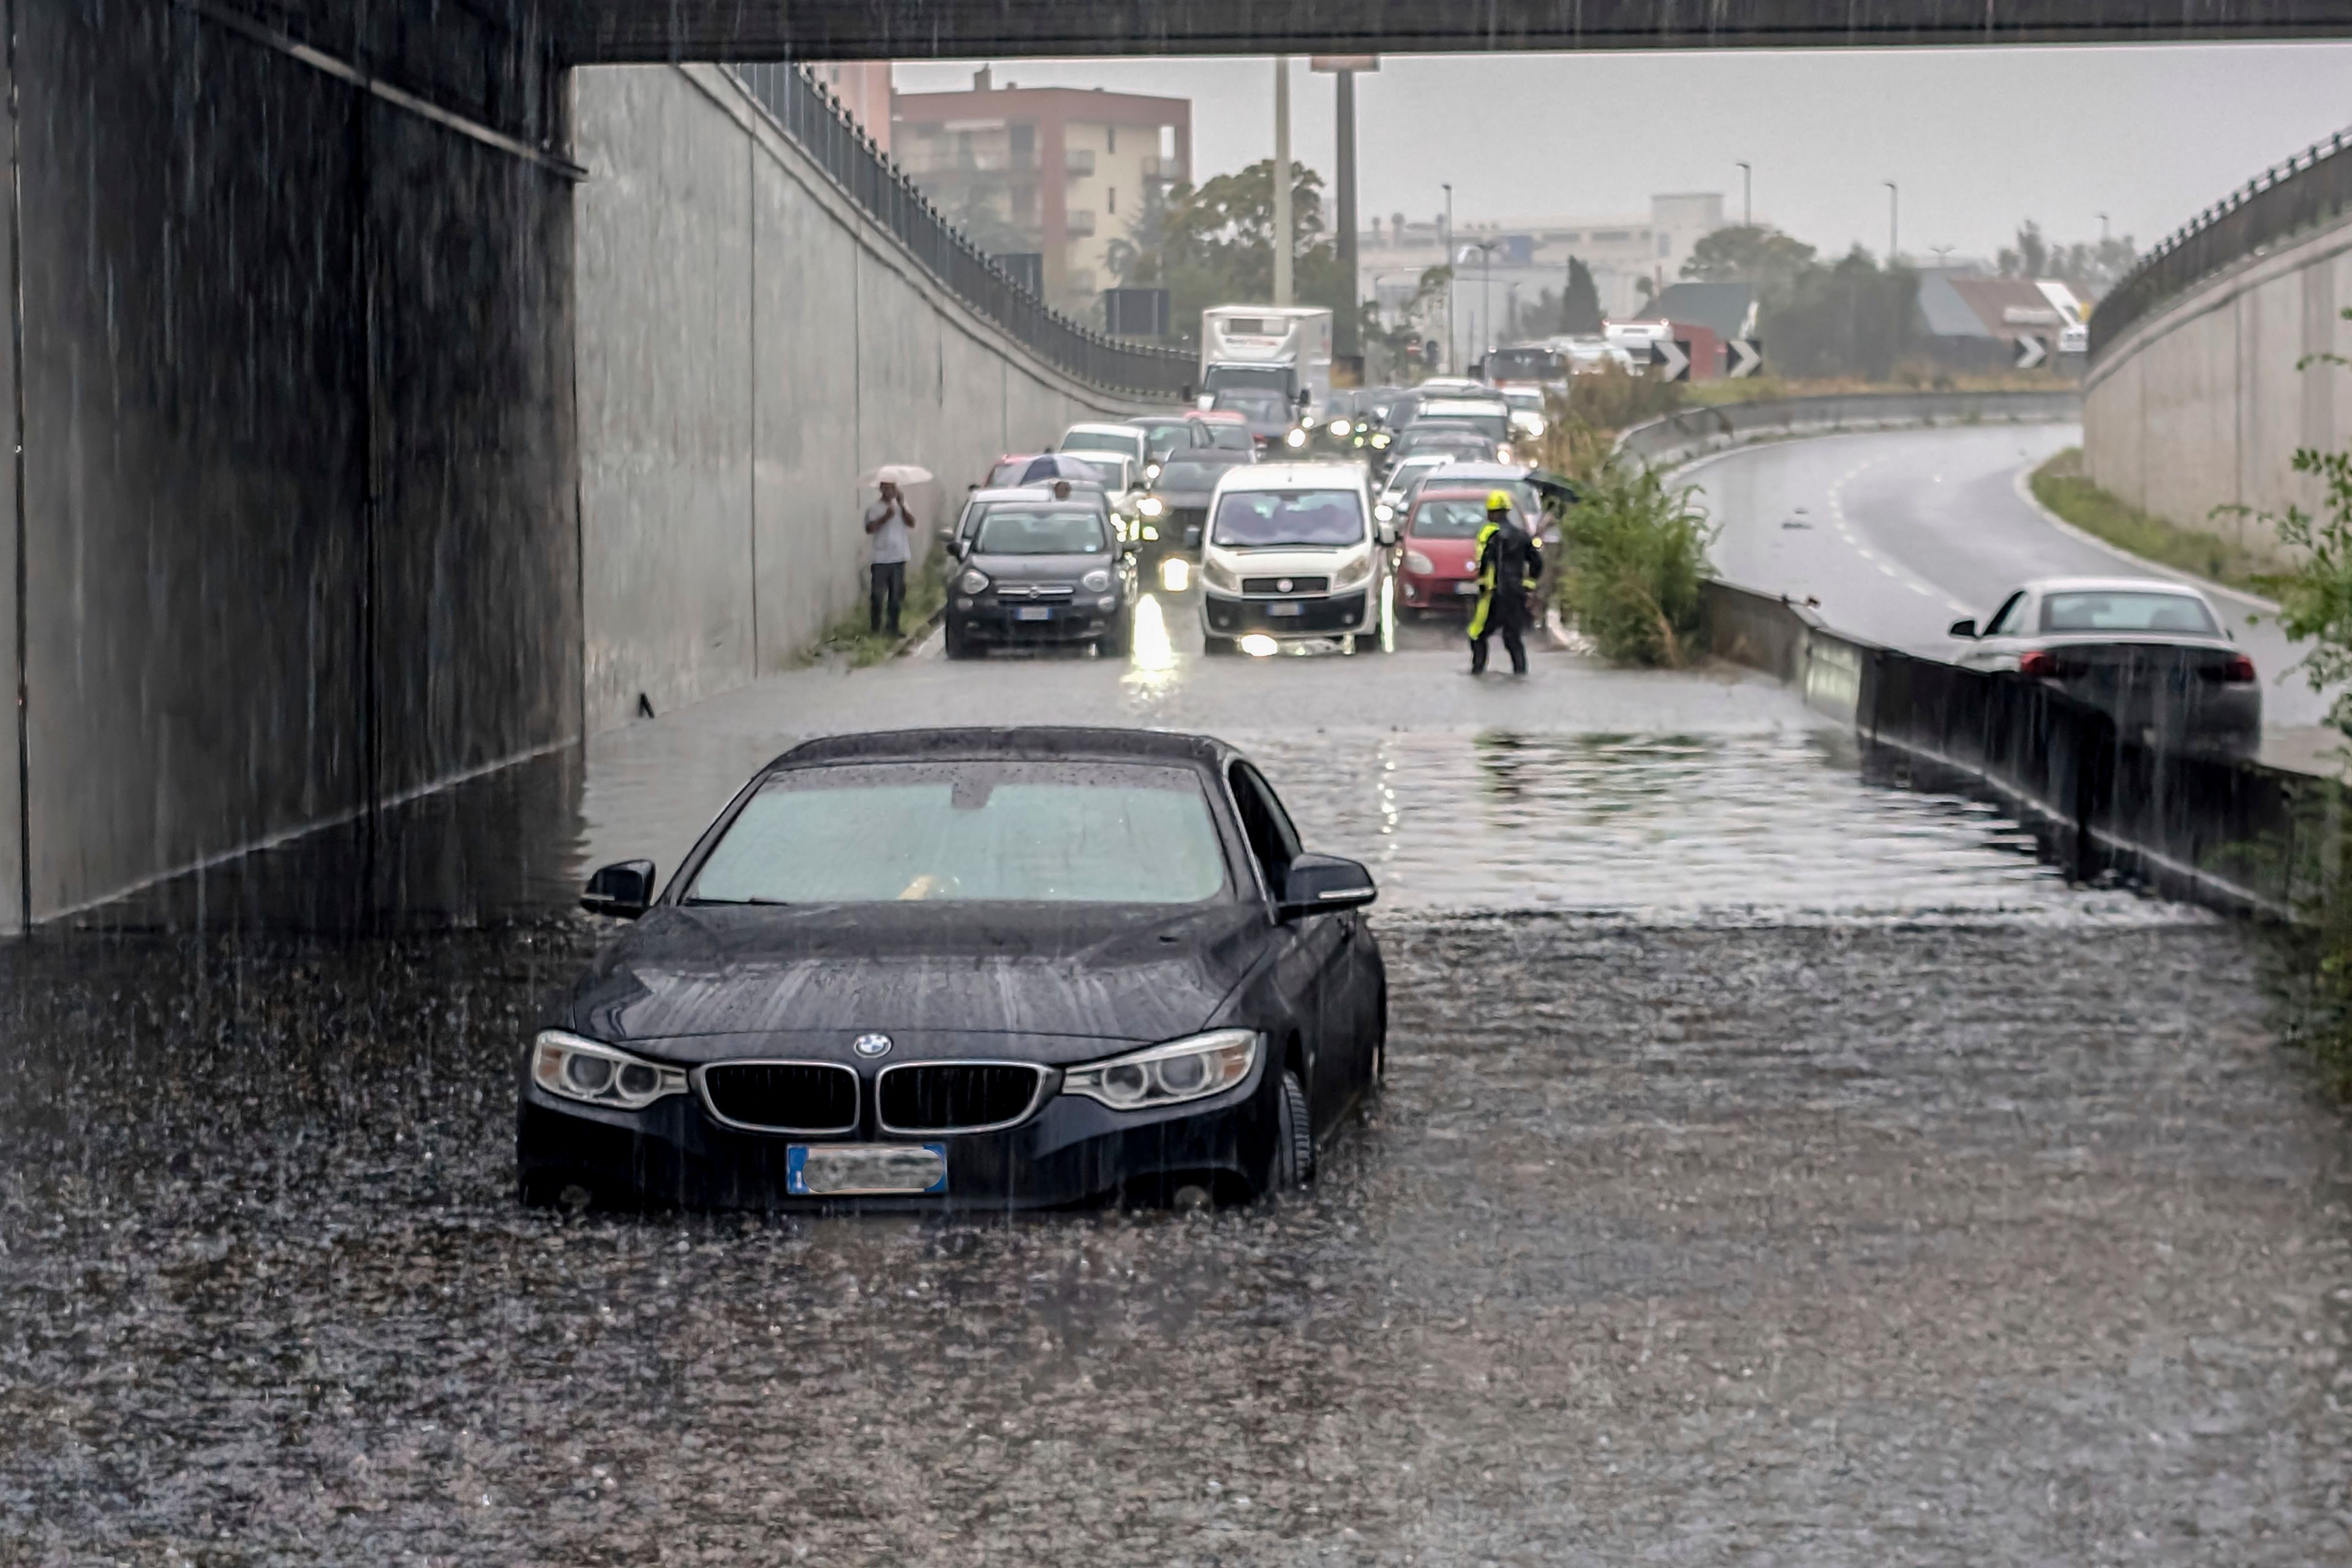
(1465, 587)
(857, 1170)
(1285, 609)
(1034, 613)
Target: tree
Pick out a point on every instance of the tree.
(2089, 268)
(1580, 304)
(1760, 255)
(1854, 318)
(1212, 244)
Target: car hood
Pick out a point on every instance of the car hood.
(1040, 568)
(1076, 980)
(1446, 554)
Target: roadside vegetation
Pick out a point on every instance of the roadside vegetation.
(847, 639)
(1634, 555)
(2061, 485)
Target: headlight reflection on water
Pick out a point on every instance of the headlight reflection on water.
(1257, 645)
(1152, 658)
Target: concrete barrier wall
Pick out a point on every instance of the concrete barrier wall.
(298, 531)
(1695, 432)
(2203, 404)
(751, 344)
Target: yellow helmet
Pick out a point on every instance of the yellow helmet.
(1498, 501)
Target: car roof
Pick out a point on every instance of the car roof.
(2112, 585)
(1012, 492)
(1102, 427)
(1051, 742)
(1283, 475)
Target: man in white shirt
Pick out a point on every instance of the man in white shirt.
(891, 527)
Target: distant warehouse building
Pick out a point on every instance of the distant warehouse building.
(1977, 325)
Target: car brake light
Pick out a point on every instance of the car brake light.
(2240, 668)
(2039, 663)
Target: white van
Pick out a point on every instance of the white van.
(1291, 551)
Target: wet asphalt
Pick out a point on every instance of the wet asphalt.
(1771, 1170)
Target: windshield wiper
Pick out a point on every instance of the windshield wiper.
(774, 903)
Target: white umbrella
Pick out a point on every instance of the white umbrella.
(899, 474)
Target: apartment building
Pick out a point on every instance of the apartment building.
(1056, 171)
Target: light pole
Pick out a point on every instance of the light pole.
(1283, 239)
(1446, 239)
(1892, 196)
(2103, 228)
(1746, 197)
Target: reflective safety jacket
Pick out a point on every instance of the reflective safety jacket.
(1507, 555)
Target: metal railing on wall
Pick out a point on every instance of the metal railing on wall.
(2308, 189)
(817, 120)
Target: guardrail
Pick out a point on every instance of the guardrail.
(2235, 834)
(1692, 432)
(825, 131)
(2309, 188)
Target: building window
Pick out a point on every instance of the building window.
(1024, 145)
(1110, 138)
(1025, 204)
(1110, 199)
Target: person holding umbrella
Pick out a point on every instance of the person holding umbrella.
(891, 528)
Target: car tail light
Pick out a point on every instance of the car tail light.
(2039, 663)
(2239, 671)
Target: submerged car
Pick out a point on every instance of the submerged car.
(2151, 654)
(1042, 571)
(979, 968)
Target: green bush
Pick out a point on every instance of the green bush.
(1636, 553)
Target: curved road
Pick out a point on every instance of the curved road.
(1899, 533)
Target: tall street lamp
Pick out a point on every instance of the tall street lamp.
(1284, 236)
(1746, 197)
(1892, 250)
(1447, 240)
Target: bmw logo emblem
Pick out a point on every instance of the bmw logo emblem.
(872, 1045)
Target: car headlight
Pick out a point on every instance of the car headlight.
(974, 581)
(1150, 470)
(1384, 514)
(1353, 571)
(597, 1074)
(1217, 574)
(1381, 439)
(1341, 427)
(1096, 580)
(1150, 506)
(1414, 561)
(1171, 1074)
(1503, 455)
(1294, 439)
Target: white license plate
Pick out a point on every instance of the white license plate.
(1034, 613)
(860, 1170)
(1465, 587)
(1285, 609)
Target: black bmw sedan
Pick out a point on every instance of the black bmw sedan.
(983, 968)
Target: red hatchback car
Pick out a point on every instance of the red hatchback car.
(1438, 563)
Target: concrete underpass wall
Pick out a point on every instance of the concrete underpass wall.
(297, 444)
(750, 345)
(2201, 405)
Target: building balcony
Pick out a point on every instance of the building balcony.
(1158, 168)
(1078, 225)
(1079, 163)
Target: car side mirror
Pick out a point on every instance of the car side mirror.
(624, 891)
(1320, 884)
(1964, 628)
(1388, 530)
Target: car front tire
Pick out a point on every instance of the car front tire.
(1293, 1151)
(1119, 640)
(1216, 647)
(959, 642)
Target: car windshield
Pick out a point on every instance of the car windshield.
(1266, 520)
(1532, 402)
(1040, 530)
(1274, 379)
(1193, 475)
(1449, 519)
(1228, 437)
(969, 831)
(1125, 442)
(1494, 426)
(1449, 441)
(1523, 364)
(1165, 436)
(1266, 407)
(2086, 610)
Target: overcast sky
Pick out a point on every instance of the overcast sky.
(1978, 138)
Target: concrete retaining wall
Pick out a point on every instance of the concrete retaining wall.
(751, 344)
(1695, 432)
(299, 532)
(2201, 405)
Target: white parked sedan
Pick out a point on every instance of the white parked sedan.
(2149, 653)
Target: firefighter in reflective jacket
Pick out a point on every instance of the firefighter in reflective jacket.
(1510, 566)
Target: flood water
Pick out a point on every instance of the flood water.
(1772, 1169)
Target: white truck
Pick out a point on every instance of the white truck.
(1262, 348)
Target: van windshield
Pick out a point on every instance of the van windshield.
(1274, 519)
